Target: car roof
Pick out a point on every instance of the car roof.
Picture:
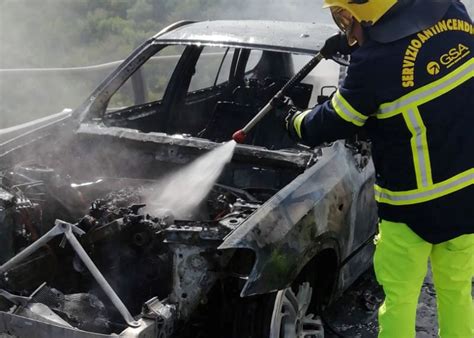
(295, 37)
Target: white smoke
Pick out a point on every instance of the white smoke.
(289, 10)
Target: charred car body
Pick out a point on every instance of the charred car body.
(284, 231)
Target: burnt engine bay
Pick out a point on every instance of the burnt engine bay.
(143, 257)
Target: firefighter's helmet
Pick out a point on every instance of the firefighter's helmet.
(367, 12)
(388, 20)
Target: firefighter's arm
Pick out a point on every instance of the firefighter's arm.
(343, 115)
(333, 120)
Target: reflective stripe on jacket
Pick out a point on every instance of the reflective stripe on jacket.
(415, 97)
(409, 106)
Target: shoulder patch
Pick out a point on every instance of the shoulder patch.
(447, 60)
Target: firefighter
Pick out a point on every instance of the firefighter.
(410, 87)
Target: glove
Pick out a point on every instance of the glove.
(337, 44)
(283, 106)
(286, 112)
(290, 122)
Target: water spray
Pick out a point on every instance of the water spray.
(183, 191)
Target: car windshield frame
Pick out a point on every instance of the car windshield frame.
(95, 105)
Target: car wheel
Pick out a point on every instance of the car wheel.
(290, 317)
(283, 314)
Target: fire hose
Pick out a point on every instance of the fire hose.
(337, 44)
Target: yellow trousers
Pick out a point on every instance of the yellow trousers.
(400, 264)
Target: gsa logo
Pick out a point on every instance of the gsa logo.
(433, 68)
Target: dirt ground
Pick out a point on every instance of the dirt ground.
(354, 315)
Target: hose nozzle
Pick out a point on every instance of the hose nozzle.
(239, 136)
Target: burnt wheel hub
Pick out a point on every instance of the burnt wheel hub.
(290, 318)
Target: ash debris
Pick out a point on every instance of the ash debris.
(354, 315)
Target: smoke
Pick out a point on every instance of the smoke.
(72, 33)
(285, 10)
(183, 191)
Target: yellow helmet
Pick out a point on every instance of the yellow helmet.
(367, 12)
(388, 20)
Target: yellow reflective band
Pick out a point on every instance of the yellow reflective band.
(346, 111)
(428, 92)
(419, 146)
(432, 192)
(298, 121)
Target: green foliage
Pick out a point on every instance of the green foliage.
(64, 33)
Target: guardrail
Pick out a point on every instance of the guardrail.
(28, 94)
(31, 93)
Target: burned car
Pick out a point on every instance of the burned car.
(102, 237)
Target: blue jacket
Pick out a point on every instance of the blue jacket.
(415, 98)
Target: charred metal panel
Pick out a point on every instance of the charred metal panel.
(25, 138)
(313, 212)
(181, 149)
(8, 135)
(7, 225)
(19, 326)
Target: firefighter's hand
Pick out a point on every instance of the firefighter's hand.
(336, 44)
(283, 106)
(286, 112)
